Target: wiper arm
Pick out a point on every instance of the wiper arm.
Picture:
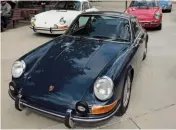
(101, 37)
(120, 39)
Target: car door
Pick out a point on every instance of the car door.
(138, 42)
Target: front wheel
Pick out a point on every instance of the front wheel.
(126, 93)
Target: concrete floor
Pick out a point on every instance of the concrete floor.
(153, 101)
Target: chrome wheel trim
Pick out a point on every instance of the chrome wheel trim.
(126, 94)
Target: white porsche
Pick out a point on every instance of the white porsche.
(58, 20)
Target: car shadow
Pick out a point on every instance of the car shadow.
(166, 11)
(77, 125)
(47, 35)
(152, 30)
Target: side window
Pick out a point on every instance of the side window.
(135, 27)
(80, 24)
(85, 6)
(123, 30)
(83, 21)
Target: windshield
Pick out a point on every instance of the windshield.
(101, 27)
(68, 5)
(143, 3)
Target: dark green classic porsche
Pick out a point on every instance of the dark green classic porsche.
(84, 75)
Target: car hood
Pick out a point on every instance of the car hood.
(49, 18)
(143, 13)
(71, 65)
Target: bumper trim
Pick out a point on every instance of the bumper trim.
(73, 118)
(38, 109)
(46, 29)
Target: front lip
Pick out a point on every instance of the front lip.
(96, 118)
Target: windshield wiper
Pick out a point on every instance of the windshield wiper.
(120, 39)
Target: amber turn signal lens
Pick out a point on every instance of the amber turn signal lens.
(63, 27)
(103, 109)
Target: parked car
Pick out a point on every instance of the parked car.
(84, 75)
(166, 5)
(148, 13)
(58, 20)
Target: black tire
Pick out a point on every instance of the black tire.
(18, 106)
(159, 27)
(123, 108)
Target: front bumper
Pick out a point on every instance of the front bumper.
(47, 30)
(74, 118)
(150, 24)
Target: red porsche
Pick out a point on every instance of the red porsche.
(148, 13)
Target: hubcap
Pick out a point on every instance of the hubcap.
(126, 92)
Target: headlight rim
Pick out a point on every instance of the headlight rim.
(157, 15)
(23, 64)
(33, 19)
(62, 20)
(111, 83)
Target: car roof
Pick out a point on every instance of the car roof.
(111, 13)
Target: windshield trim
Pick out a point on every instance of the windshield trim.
(108, 40)
(146, 2)
(68, 1)
(108, 15)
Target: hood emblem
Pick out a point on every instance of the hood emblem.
(45, 22)
(51, 87)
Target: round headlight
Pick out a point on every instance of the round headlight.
(62, 21)
(33, 21)
(103, 88)
(18, 68)
(157, 15)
